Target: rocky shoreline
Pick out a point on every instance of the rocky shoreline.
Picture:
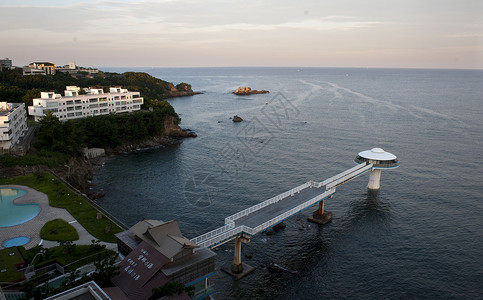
(174, 94)
(82, 171)
(79, 171)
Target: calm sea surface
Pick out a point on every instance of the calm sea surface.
(421, 236)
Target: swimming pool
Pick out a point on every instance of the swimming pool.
(13, 214)
(16, 241)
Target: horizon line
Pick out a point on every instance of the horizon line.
(292, 67)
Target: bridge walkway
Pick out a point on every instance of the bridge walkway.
(268, 213)
(271, 211)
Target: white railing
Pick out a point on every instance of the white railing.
(291, 212)
(315, 184)
(213, 233)
(224, 234)
(228, 232)
(265, 203)
(333, 178)
(224, 237)
(348, 177)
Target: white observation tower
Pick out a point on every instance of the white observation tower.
(380, 160)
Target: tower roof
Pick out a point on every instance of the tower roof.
(377, 154)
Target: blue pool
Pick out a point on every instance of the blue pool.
(13, 214)
(16, 241)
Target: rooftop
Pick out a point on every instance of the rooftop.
(377, 154)
(6, 108)
(165, 237)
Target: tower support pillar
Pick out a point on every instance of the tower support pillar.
(374, 179)
(237, 266)
(321, 216)
(238, 269)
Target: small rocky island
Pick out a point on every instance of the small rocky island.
(236, 118)
(244, 91)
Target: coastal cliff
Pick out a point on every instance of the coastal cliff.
(79, 171)
(180, 90)
(82, 169)
(58, 146)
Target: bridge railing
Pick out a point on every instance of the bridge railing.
(289, 213)
(265, 203)
(225, 236)
(349, 176)
(213, 233)
(315, 184)
(338, 176)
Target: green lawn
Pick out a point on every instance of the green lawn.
(61, 196)
(58, 230)
(69, 254)
(50, 159)
(8, 263)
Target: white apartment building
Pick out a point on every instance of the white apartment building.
(47, 66)
(72, 68)
(27, 71)
(13, 123)
(5, 63)
(95, 103)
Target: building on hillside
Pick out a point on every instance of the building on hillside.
(13, 124)
(47, 66)
(94, 103)
(72, 68)
(5, 63)
(27, 71)
(157, 253)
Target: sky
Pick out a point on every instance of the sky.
(219, 33)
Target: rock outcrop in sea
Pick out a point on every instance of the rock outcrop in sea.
(244, 91)
(182, 91)
(237, 118)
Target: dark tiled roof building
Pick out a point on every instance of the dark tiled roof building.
(157, 253)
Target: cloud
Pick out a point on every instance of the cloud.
(180, 16)
(462, 35)
(322, 24)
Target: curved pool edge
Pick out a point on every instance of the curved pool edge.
(15, 202)
(16, 241)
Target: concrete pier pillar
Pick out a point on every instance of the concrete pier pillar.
(374, 179)
(321, 216)
(238, 269)
(321, 208)
(237, 266)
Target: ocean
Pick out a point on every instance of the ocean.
(420, 236)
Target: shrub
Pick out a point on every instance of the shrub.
(58, 230)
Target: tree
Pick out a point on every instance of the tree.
(68, 246)
(30, 95)
(105, 268)
(163, 107)
(183, 86)
(50, 129)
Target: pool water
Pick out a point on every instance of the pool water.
(16, 241)
(13, 214)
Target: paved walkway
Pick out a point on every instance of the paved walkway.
(31, 229)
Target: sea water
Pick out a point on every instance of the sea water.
(421, 236)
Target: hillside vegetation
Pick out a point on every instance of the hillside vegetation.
(14, 87)
(56, 141)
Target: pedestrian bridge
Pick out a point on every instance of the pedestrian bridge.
(266, 214)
